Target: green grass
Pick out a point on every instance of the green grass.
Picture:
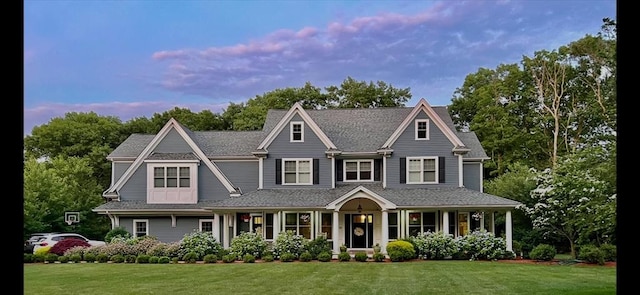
(415, 277)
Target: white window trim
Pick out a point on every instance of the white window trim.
(344, 171)
(416, 129)
(135, 228)
(206, 220)
(301, 123)
(437, 172)
(172, 195)
(298, 213)
(297, 160)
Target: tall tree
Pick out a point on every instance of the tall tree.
(360, 94)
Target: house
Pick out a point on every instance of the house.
(358, 177)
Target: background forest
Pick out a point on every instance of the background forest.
(549, 125)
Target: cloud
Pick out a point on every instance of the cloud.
(44, 113)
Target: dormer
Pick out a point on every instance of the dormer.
(296, 131)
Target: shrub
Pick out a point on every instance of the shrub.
(436, 245)
(248, 258)
(248, 243)
(400, 250)
(158, 249)
(210, 258)
(75, 257)
(60, 247)
(344, 257)
(378, 257)
(63, 259)
(89, 257)
(609, 251)
(200, 243)
(591, 254)
(154, 259)
(118, 258)
(306, 256)
(75, 250)
(38, 258)
(289, 242)
(361, 256)
(317, 246)
(51, 257)
(229, 258)
(117, 232)
(143, 258)
(267, 258)
(287, 257)
(324, 256)
(143, 244)
(190, 257)
(164, 260)
(484, 245)
(102, 258)
(28, 258)
(130, 258)
(42, 251)
(175, 260)
(543, 252)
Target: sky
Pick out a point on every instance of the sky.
(132, 59)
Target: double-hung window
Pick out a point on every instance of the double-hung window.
(171, 177)
(140, 227)
(422, 170)
(296, 131)
(361, 170)
(298, 222)
(206, 225)
(422, 129)
(297, 171)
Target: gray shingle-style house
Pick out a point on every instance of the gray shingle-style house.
(355, 176)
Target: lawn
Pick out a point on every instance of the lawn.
(413, 277)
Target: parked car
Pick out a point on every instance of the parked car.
(31, 241)
(52, 238)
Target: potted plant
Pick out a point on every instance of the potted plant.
(376, 248)
(343, 248)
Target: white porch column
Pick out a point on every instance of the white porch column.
(216, 226)
(385, 230)
(384, 172)
(226, 227)
(460, 174)
(276, 225)
(335, 227)
(507, 226)
(445, 222)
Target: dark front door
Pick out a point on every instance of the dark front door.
(359, 233)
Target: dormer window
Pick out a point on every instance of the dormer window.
(297, 131)
(422, 129)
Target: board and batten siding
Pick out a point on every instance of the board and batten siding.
(160, 226)
(312, 147)
(243, 174)
(438, 145)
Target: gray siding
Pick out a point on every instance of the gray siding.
(281, 148)
(437, 145)
(471, 176)
(160, 226)
(243, 174)
(173, 143)
(209, 187)
(136, 187)
(119, 168)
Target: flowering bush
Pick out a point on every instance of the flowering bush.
(201, 243)
(61, 246)
(289, 242)
(436, 245)
(248, 243)
(481, 244)
(77, 250)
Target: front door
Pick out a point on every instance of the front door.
(359, 230)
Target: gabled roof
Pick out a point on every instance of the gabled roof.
(186, 134)
(296, 109)
(425, 107)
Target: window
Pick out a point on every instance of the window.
(171, 177)
(300, 223)
(358, 170)
(297, 171)
(422, 222)
(422, 170)
(140, 227)
(268, 226)
(393, 226)
(206, 225)
(297, 131)
(422, 129)
(327, 219)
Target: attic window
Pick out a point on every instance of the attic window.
(422, 129)
(297, 131)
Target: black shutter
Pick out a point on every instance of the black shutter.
(403, 170)
(377, 164)
(339, 163)
(278, 171)
(316, 171)
(441, 170)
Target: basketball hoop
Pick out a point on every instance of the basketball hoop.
(71, 217)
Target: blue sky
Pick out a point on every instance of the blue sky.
(135, 58)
